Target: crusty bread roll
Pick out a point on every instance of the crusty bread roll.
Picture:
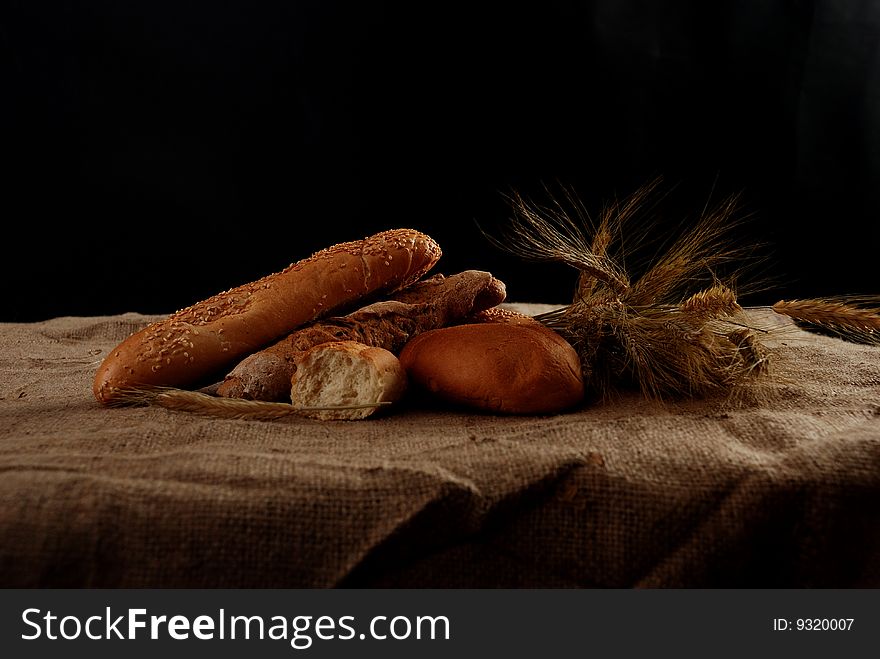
(207, 338)
(346, 373)
(516, 366)
(428, 304)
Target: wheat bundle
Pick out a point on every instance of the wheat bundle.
(677, 328)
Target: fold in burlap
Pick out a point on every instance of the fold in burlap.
(625, 493)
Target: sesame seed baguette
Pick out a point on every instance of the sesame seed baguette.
(428, 304)
(210, 336)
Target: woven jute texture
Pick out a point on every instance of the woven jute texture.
(625, 493)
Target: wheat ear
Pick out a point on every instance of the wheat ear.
(549, 233)
(846, 318)
(195, 402)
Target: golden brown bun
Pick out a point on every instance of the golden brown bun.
(214, 334)
(518, 367)
(346, 373)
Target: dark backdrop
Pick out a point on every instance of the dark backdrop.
(162, 151)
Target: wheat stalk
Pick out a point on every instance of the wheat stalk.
(539, 233)
(195, 402)
(714, 302)
(692, 258)
(754, 355)
(846, 317)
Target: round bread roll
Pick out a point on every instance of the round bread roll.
(342, 373)
(207, 338)
(518, 367)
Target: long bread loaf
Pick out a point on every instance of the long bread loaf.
(429, 304)
(209, 337)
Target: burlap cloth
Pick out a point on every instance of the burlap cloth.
(628, 493)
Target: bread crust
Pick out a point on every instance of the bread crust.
(516, 366)
(501, 315)
(209, 336)
(429, 304)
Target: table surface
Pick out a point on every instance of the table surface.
(781, 492)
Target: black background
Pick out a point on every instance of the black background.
(159, 152)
